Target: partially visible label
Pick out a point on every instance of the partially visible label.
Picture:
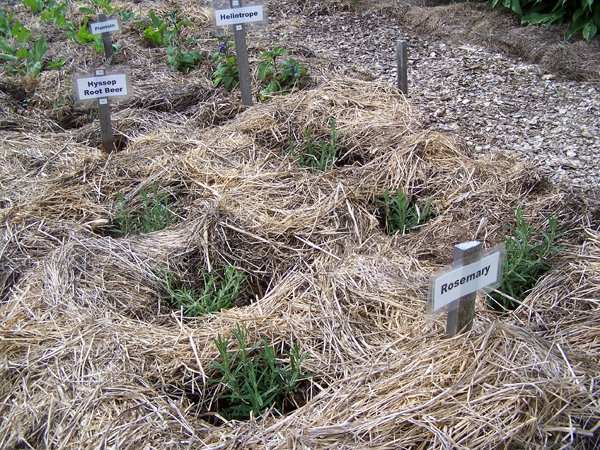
(106, 26)
(234, 16)
(114, 85)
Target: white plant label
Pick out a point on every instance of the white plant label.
(234, 16)
(107, 26)
(454, 283)
(113, 85)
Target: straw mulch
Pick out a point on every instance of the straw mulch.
(92, 357)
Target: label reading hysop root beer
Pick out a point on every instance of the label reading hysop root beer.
(114, 85)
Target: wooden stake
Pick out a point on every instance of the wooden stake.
(106, 40)
(402, 63)
(461, 314)
(106, 132)
(241, 51)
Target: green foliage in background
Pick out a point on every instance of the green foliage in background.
(154, 214)
(182, 60)
(278, 76)
(525, 261)
(28, 60)
(220, 290)
(254, 379)
(315, 153)
(401, 215)
(163, 31)
(584, 15)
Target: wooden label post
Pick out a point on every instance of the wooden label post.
(100, 87)
(455, 288)
(237, 17)
(105, 27)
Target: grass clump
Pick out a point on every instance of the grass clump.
(400, 215)
(255, 378)
(315, 153)
(154, 214)
(220, 290)
(525, 261)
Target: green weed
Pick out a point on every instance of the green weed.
(401, 215)
(220, 290)
(525, 261)
(154, 215)
(254, 379)
(316, 153)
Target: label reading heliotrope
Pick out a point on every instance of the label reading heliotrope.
(233, 16)
(113, 85)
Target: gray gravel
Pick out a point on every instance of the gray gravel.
(492, 101)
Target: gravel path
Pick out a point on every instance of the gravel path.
(492, 101)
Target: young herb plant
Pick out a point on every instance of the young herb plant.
(36, 6)
(316, 153)
(525, 261)
(220, 290)
(279, 77)
(155, 214)
(400, 215)
(226, 70)
(254, 379)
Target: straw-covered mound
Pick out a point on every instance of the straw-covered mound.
(93, 357)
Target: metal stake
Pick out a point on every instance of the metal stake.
(402, 63)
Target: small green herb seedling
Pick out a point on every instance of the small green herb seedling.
(316, 153)
(226, 70)
(525, 261)
(254, 379)
(155, 214)
(220, 290)
(400, 215)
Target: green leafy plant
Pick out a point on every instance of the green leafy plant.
(28, 60)
(163, 31)
(315, 153)
(36, 6)
(11, 28)
(154, 215)
(184, 61)
(97, 7)
(254, 379)
(278, 76)
(226, 70)
(525, 261)
(55, 13)
(83, 35)
(127, 16)
(584, 15)
(401, 215)
(220, 290)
